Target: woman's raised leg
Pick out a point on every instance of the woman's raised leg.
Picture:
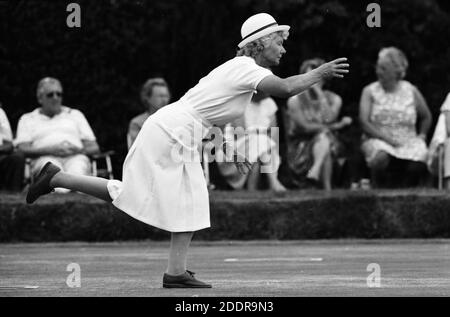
(93, 186)
(51, 177)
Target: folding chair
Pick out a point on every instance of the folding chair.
(107, 171)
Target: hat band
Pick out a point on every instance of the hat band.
(260, 29)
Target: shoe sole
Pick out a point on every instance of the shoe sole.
(165, 285)
(32, 194)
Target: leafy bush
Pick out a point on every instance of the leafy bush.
(239, 216)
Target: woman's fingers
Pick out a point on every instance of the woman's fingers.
(340, 60)
(344, 69)
(336, 68)
(339, 66)
(244, 167)
(341, 63)
(341, 69)
(240, 168)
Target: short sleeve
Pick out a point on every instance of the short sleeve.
(5, 128)
(446, 105)
(84, 129)
(249, 74)
(24, 130)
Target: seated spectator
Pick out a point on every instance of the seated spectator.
(312, 124)
(12, 164)
(155, 94)
(441, 138)
(257, 146)
(389, 111)
(56, 133)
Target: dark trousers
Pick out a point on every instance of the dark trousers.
(357, 166)
(353, 170)
(11, 171)
(400, 174)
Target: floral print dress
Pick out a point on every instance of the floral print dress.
(395, 114)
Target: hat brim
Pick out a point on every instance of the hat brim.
(263, 33)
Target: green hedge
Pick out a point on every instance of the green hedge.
(239, 216)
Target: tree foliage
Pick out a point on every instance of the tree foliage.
(121, 43)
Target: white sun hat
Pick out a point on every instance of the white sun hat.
(259, 25)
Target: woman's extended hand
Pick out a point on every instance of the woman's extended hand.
(242, 164)
(336, 68)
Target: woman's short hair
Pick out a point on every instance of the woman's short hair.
(396, 58)
(147, 87)
(255, 47)
(44, 81)
(310, 63)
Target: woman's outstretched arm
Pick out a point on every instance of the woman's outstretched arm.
(291, 86)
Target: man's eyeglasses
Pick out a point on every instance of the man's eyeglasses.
(53, 94)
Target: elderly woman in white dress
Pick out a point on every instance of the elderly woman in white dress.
(153, 163)
(395, 119)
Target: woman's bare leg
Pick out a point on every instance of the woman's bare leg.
(327, 172)
(179, 245)
(94, 186)
(253, 177)
(274, 183)
(320, 151)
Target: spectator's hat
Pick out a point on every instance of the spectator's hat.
(259, 25)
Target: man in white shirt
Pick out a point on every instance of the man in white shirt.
(56, 133)
(11, 163)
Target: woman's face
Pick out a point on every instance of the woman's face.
(386, 72)
(159, 98)
(271, 55)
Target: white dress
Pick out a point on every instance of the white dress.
(394, 114)
(167, 190)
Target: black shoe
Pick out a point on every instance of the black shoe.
(41, 185)
(186, 280)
